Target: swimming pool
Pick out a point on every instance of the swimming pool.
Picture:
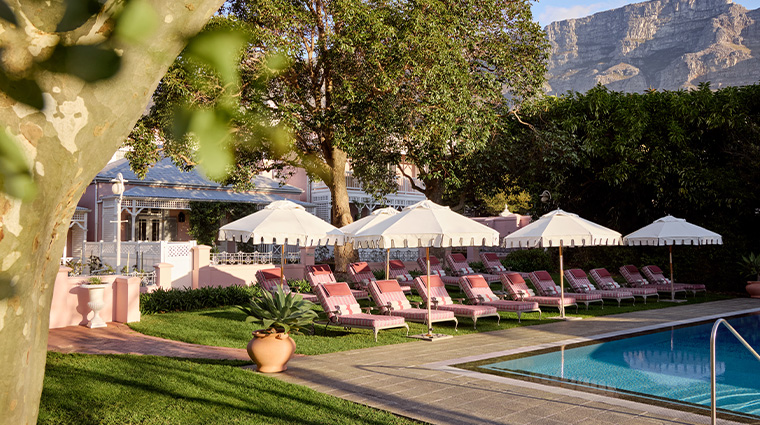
(669, 367)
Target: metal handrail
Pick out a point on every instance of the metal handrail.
(717, 324)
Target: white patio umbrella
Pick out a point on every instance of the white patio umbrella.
(282, 222)
(376, 217)
(671, 231)
(559, 228)
(424, 225)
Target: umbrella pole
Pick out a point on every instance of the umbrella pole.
(561, 284)
(387, 262)
(430, 326)
(672, 294)
(282, 266)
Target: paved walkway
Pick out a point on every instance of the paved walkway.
(416, 380)
(118, 338)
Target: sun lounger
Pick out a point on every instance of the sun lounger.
(545, 286)
(518, 290)
(579, 282)
(389, 297)
(362, 275)
(320, 274)
(631, 275)
(440, 300)
(397, 270)
(479, 293)
(492, 263)
(343, 310)
(269, 280)
(655, 275)
(437, 269)
(459, 267)
(604, 280)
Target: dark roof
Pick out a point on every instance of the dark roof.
(205, 195)
(165, 173)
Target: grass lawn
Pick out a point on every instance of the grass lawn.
(123, 389)
(225, 327)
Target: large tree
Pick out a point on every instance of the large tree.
(466, 64)
(365, 82)
(626, 159)
(63, 145)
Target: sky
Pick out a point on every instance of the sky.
(548, 11)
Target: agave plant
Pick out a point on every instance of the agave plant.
(751, 264)
(280, 312)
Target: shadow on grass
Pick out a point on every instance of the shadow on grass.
(85, 389)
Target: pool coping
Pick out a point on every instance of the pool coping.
(447, 366)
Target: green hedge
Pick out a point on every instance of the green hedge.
(528, 260)
(162, 301)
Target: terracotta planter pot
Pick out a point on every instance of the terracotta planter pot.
(271, 351)
(753, 289)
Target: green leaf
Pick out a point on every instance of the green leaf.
(6, 13)
(77, 13)
(137, 22)
(212, 133)
(90, 63)
(219, 49)
(23, 90)
(15, 175)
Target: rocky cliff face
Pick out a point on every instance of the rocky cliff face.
(661, 44)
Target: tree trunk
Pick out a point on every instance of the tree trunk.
(434, 190)
(67, 143)
(341, 209)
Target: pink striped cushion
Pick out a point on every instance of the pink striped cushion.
(578, 273)
(543, 275)
(459, 258)
(468, 310)
(506, 305)
(655, 269)
(603, 273)
(361, 267)
(337, 289)
(321, 269)
(388, 286)
(347, 309)
(420, 314)
(271, 273)
(396, 264)
(370, 320)
(490, 256)
(477, 281)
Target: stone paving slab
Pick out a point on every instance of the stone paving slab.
(417, 381)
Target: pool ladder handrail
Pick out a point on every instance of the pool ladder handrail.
(714, 332)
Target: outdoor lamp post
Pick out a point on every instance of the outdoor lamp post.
(118, 189)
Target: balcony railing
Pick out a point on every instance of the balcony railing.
(353, 183)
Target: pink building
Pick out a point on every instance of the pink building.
(157, 208)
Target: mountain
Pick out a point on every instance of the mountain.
(661, 44)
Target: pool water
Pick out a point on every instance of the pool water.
(672, 365)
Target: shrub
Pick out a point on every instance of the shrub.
(162, 301)
(528, 260)
(478, 267)
(379, 274)
(300, 285)
(279, 312)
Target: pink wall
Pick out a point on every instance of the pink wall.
(504, 225)
(69, 306)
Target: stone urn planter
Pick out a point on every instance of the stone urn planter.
(95, 289)
(753, 288)
(277, 315)
(271, 350)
